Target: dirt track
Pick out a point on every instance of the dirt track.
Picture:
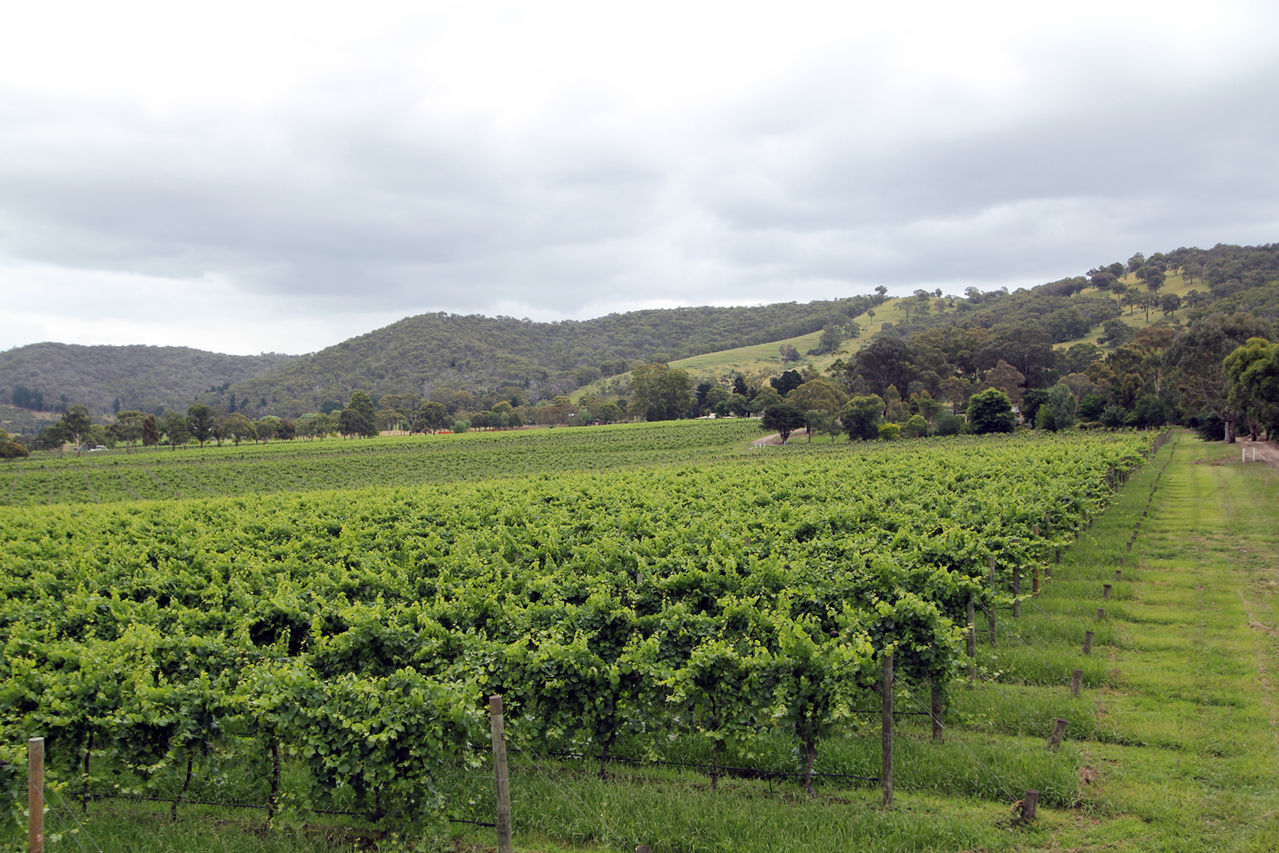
(1266, 451)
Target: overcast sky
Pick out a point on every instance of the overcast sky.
(246, 177)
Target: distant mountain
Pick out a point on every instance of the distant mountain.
(48, 376)
(480, 354)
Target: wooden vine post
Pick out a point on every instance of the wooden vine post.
(1029, 805)
(990, 611)
(1059, 732)
(504, 842)
(1088, 637)
(35, 794)
(886, 729)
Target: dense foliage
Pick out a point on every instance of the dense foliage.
(353, 634)
(106, 379)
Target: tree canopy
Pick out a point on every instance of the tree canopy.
(784, 418)
(990, 411)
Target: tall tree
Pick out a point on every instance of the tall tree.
(127, 428)
(237, 428)
(174, 427)
(819, 394)
(660, 393)
(784, 418)
(1253, 371)
(76, 425)
(1008, 379)
(150, 431)
(359, 417)
(1028, 347)
(1197, 357)
(884, 361)
(787, 382)
(861, 417)
(201, 423)
(431, 416)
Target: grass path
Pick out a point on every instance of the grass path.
(1185, 753)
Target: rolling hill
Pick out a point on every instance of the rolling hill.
(107, 378)
(513, 358)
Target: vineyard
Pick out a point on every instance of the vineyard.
(337, 646)
(251, 469)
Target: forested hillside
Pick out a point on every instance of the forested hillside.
(533, 360)
(1128, 312)
(105, 379)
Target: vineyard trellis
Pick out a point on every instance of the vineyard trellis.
(356, 635)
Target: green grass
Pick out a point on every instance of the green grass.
(764, 360)
(760, 361)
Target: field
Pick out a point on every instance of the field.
(335, 463)
(765, 359)
(660, 603)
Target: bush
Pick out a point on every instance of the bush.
(861, 416)
(915, 427)
(1150, 412)
(990, 411)
(1209, 427)
(889, 432)
(949, 424)
(1114, 417)
(461, 426)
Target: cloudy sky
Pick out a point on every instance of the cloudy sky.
(246, 177)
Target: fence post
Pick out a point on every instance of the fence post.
(35, 794)
(1016, 592)
(1105, 590)
(1034, 581)
(886, 729)
(1028, 806)
(1059, 732)
(1076, 682)
(504, 843)
(1088, 636)
(1101, 613)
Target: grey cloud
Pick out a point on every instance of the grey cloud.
(364, 194)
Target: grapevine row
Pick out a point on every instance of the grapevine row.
(356, 632)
